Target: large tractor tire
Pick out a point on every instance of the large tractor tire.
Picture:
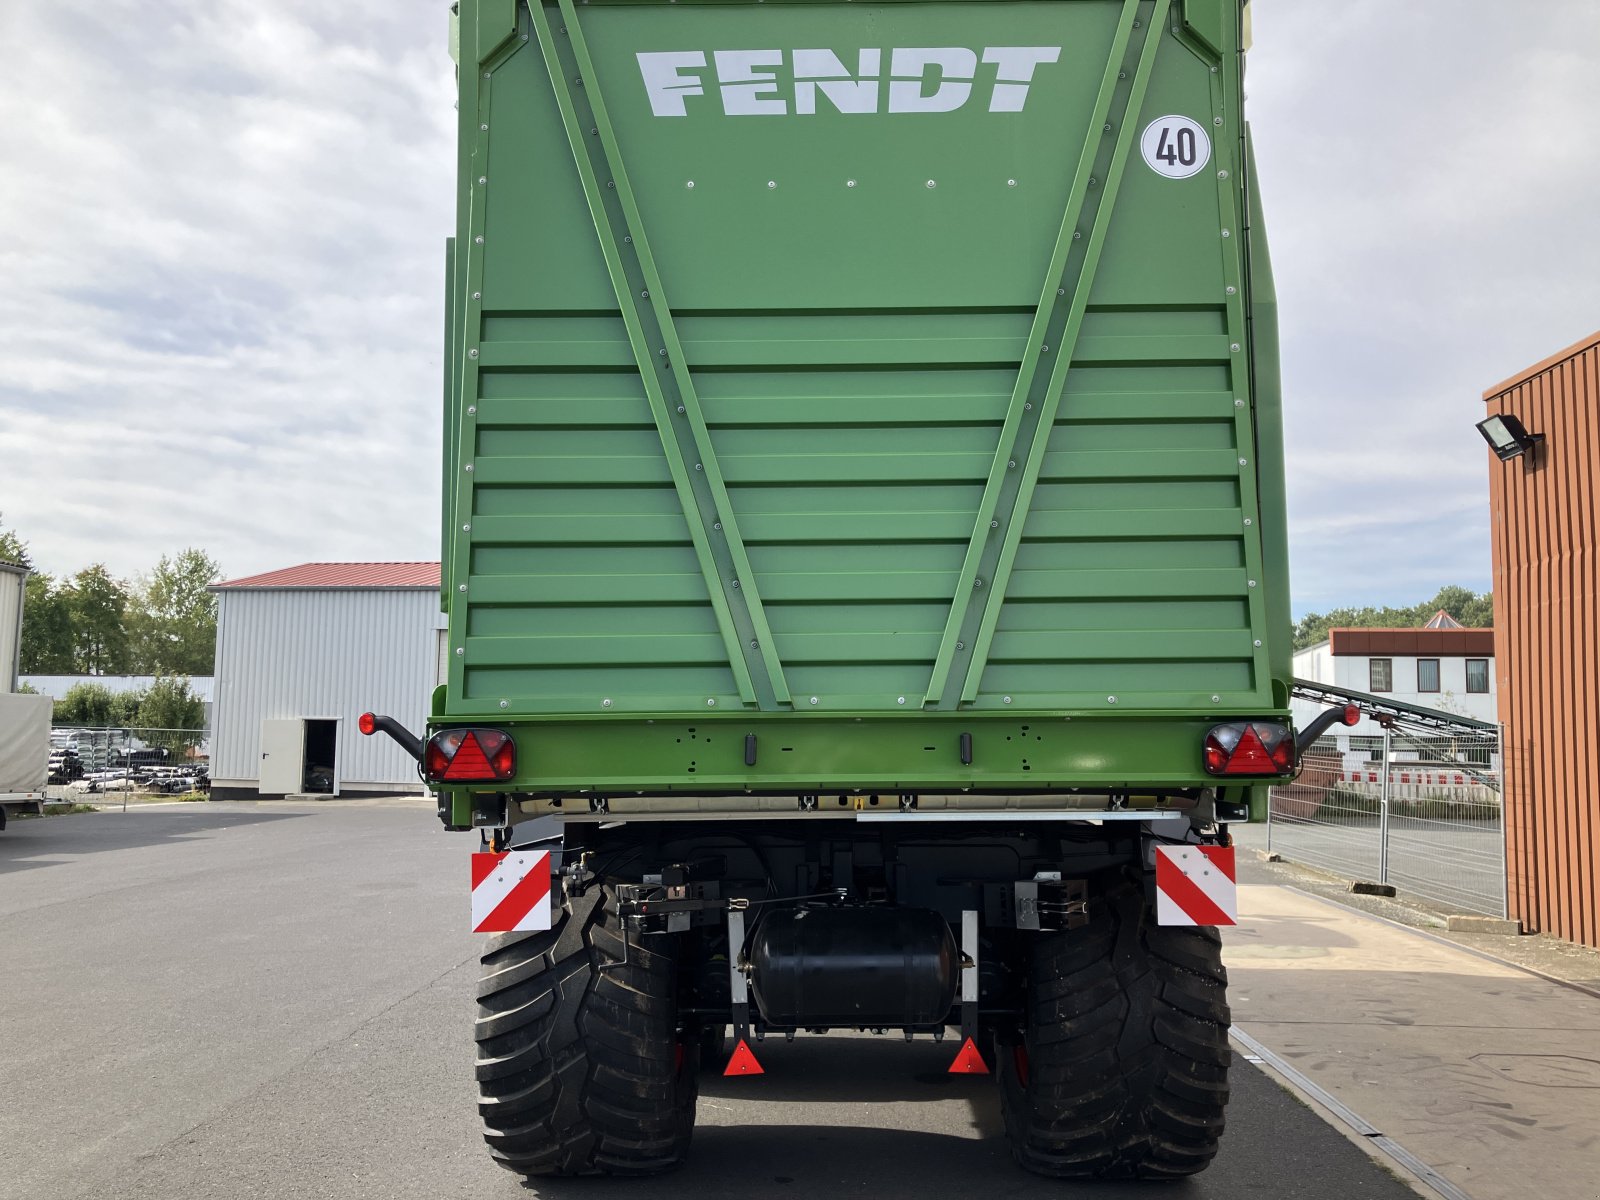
(583, 1071)
(1121, 1069)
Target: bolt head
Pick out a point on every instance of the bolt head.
(605, 704)
(460, 650)
(931, 183)
(689, 184)
(461, 587)
(505, 704)
(900, 700)
(711, 703)
(1005, 699)
(813, 699)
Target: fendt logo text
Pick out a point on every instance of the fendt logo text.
(776, 83)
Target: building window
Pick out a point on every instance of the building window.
(1427, 674)
(1477, 674)
(1381, 674)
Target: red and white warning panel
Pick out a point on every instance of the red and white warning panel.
(511, 891)
(1195, 885)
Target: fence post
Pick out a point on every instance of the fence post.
(1383, 814)
(1505, 836)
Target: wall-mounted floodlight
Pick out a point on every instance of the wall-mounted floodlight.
(1507, 437)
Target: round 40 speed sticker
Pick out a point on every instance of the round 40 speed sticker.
(1175, 146)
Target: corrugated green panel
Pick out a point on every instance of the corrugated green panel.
(760, 400)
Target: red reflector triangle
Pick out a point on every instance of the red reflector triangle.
(969, 1061)
(1249, 757)
(743, 1062)
(470, 762)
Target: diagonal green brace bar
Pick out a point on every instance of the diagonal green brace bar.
(1077, 293)
(1053, 318)
(657, 351)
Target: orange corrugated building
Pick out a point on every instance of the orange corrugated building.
(1547, 627)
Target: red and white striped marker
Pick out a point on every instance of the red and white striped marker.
(1195, 885)
(511, 891)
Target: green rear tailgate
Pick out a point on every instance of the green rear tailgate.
(903, 362)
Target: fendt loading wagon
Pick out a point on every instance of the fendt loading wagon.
(864, 556)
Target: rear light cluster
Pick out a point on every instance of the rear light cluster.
(1250, 748)
(469, 756)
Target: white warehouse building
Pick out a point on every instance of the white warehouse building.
(301, 654)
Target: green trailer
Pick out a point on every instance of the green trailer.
(864, 555)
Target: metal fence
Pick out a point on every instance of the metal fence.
(1415, 808)
(98, 764)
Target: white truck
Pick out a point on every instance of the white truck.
(24, 719)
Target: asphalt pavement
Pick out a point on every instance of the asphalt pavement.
(275, 1000)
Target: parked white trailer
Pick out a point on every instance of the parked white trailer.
(24, 753)
(24, 720)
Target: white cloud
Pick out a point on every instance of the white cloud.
(224, 265)
(221, 231)
(1429, 193)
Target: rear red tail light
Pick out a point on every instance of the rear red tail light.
(1259, 748)
(469, 756)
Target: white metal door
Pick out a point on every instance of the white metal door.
(283, 754)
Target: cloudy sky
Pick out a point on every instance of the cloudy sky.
(221, 230)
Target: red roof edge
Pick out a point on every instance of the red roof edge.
(400, 575)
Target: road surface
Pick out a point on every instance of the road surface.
(274, 1000)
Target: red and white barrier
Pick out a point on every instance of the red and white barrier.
(511, 891)
(1195, 885)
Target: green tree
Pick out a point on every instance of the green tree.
(88, 704)
(99, 607)
(46, 647)
(172, 618)
(171, 716)
(1471, 609)
(13, 549)
(47, 639)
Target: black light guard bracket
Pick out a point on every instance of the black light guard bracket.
(1347, 714)
(372, 723)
